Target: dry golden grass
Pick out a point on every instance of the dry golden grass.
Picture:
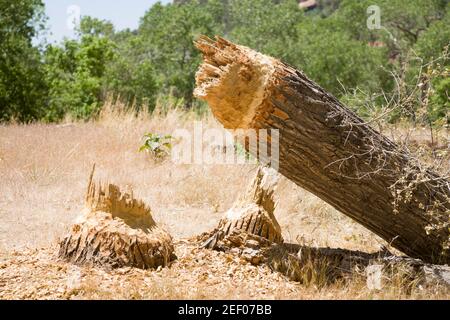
(43, 174)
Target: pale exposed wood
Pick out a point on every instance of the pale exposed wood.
(327, 149)
(252, 213)
(116, 230)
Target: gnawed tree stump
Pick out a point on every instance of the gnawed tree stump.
(115, 231)
(327, 149)
(252, 214)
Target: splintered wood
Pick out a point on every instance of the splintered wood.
(116, 230)
(252, 214)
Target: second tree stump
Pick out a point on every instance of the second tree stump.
(252, 214)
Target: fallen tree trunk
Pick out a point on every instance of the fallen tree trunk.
(327, 149)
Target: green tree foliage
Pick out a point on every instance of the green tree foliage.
(337, 61)
(75, 73)
(167, 34)
(331, 43)
(131, 77)
(432, 41)
(401, 21)
(266, 26)
(439, 109)
(22, 90)
(327, 7)
(433, 47)
(95, 27)
(413, 33)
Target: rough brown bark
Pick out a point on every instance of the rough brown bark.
(115, 231)
(327, 149)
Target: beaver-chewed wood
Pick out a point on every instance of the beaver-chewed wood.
(327, 149)
(116, 230)
(252, 213)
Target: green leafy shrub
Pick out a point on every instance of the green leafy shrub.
(157, 145)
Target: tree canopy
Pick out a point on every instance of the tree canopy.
(331, 43)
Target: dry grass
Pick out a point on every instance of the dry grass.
(43, 174)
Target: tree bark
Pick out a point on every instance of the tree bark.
(327, 149)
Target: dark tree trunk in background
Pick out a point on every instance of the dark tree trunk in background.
(328, 150)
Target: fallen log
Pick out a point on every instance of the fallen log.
(327, 149)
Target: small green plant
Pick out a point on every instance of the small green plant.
(157, 145)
